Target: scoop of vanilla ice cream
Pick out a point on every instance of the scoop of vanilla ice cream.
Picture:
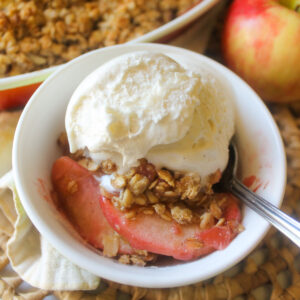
(146, 105)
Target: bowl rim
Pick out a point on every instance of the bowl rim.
(110, 275)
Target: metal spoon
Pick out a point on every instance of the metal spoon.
(284, 223)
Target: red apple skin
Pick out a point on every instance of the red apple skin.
(261, 43)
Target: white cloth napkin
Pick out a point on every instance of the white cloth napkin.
(30, 254)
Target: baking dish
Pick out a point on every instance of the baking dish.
(18, 89)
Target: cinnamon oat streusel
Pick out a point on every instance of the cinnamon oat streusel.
(40, 33)
(179, 197)
(174, 196)
(144, 203)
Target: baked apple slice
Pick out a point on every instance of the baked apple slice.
(183, 242)
(78, 197)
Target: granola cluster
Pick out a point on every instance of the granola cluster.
(174, 196)
(111, 245)
(35, 34)
(177, 197)
(142, 258)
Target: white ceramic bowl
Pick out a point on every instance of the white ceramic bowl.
(35, 149)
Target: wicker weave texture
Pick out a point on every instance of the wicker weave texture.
(271, 271)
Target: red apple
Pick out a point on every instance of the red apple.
(261, 43)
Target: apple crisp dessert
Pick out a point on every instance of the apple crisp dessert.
(144, 212)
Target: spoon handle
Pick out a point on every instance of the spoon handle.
(280, 220)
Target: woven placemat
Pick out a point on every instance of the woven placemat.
(271, 271)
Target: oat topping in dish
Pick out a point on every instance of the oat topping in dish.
(145, 142)
(40, 33)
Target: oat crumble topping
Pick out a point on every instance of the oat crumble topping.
(173, 196)
(35, 34)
